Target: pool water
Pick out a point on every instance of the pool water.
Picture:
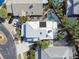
(50, 16)
(1, 2)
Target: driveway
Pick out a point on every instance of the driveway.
(8, 50)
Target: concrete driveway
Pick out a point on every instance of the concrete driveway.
(8, 50)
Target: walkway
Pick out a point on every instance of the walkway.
(21, 48)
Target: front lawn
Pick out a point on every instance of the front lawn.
(3, 13)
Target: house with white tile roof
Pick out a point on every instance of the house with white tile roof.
(38, 30)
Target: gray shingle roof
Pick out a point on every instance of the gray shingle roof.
(54, 53)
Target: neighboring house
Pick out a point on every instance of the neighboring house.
(58, 52)
(72, 8)
(69, 9)
(76, 7)
(25, 7)
(35, 30)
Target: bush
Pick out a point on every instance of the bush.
(19, 33)
(3, 13)
(43, 44)
(23, 19)
(32, 54)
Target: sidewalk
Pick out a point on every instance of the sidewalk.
(10, 28)
(21, 48)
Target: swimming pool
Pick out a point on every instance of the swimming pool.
(50, 16)
(1, 2)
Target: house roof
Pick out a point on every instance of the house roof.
(56, 53)
(27, 1)
(69, 8)
(72, 8)
(33, 30)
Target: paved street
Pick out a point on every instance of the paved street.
(8, 50)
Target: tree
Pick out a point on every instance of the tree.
(23, 19)
(42, 44)
(70, 26)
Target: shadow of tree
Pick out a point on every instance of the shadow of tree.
(2, 20)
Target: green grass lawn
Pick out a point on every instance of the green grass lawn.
(3, 13)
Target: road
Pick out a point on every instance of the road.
(8, 50)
